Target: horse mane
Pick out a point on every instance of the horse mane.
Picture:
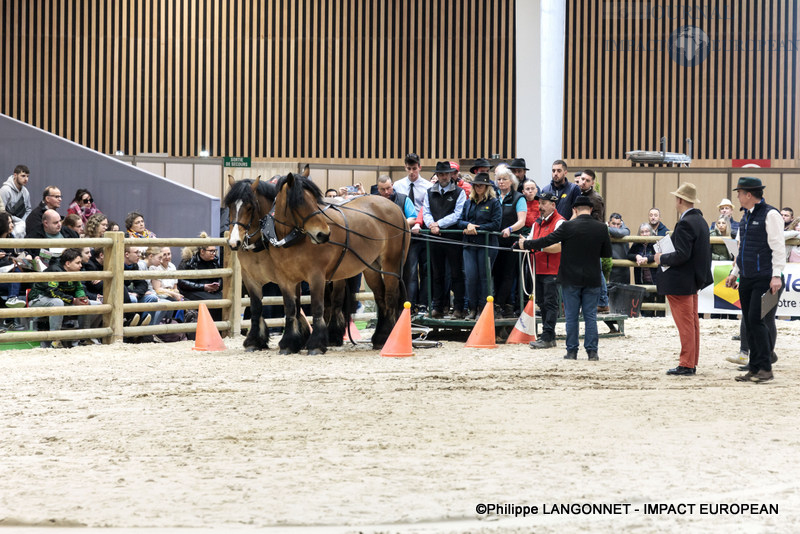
(294, 195)
(243, 191)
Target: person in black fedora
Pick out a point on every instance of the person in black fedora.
(441, 210)
(584, 241)
(518, 168)
(758, 270)
(480, 165)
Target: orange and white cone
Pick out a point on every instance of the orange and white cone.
(483, 334)
(398, 345)
(525, 329)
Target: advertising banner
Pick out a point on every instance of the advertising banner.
(717, 298)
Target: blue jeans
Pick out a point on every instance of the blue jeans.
(604, 292)
(477, 276)
(577, 298)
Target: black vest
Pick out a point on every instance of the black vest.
(509, 208)
(755, 256)
(400, 200)
(440, 204)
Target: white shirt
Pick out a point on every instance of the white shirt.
(420, 186)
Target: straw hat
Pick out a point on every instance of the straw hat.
(687, 192)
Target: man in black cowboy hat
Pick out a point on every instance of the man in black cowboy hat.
(583, 242)
(759, 269)
(518, 168)
(441, 210)
(480, 165)
(565, 190)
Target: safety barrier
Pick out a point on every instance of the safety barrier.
(114, 277)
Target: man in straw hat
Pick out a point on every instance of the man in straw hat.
(689, 271)
(759, 268)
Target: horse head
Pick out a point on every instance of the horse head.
(247, 202)
(297, 203)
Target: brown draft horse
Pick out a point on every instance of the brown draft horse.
(315, 241)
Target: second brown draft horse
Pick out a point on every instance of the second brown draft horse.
(311, 240)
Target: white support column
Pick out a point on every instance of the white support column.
(540, 28)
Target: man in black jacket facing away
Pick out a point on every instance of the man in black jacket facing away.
(689, 272)
(584, 241)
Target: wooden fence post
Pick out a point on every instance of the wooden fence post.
(114, 261)
(233, 291)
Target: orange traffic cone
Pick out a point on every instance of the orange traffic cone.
(356, 335)
(207, 336)
(525, 329)
(482, 336)
(399, 343)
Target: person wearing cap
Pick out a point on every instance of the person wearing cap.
(726, 210)
(460, 181)
(583, 242)
(689, 271)
(415, 270)
(441, 210)
(565, 190)
(481, 213)
(546, 263)
(758, 268)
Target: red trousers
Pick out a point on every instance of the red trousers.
(684, 313)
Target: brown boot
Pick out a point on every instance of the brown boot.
(762, 376)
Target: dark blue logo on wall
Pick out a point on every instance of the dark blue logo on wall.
(689, 46)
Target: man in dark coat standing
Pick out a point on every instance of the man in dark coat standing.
(584, 241)
(689, 271)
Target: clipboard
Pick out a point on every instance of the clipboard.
(664, 246)
(769, 301)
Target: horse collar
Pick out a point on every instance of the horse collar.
(268, 232)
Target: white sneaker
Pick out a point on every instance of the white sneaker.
(742, 358)
(14, 302)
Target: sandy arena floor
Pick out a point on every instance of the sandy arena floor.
(163, 436)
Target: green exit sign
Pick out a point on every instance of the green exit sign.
(236, 162)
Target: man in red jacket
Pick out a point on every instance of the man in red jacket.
(546, 263)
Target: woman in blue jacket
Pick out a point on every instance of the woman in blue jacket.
(482, 213)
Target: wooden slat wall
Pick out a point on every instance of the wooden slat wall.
(290, 79)
(736, 104)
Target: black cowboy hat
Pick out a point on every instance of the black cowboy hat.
(582, 200)
(748, 183)
(443, 166)
(482, 178)
(480, 162)
(518, 163)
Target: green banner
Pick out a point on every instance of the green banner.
(236, 162)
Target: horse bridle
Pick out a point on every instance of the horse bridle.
(296, 232)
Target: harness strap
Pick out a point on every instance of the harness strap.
(346, 245)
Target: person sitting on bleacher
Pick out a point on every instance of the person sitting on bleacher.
(96, 226)
(72, 226)
(51, 200)
(196, 259)
(51, 223)
(134, 224)
(83, 205)
(56, 294)
(137, 289)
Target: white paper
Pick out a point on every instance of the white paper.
(664, 246)
(732, 246)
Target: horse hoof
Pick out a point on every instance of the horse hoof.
(284, 351)
(249, 349)
(315, 352)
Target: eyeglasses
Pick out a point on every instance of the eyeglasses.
(87, 200)
(210, 250)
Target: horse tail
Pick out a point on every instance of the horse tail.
(348, 302)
